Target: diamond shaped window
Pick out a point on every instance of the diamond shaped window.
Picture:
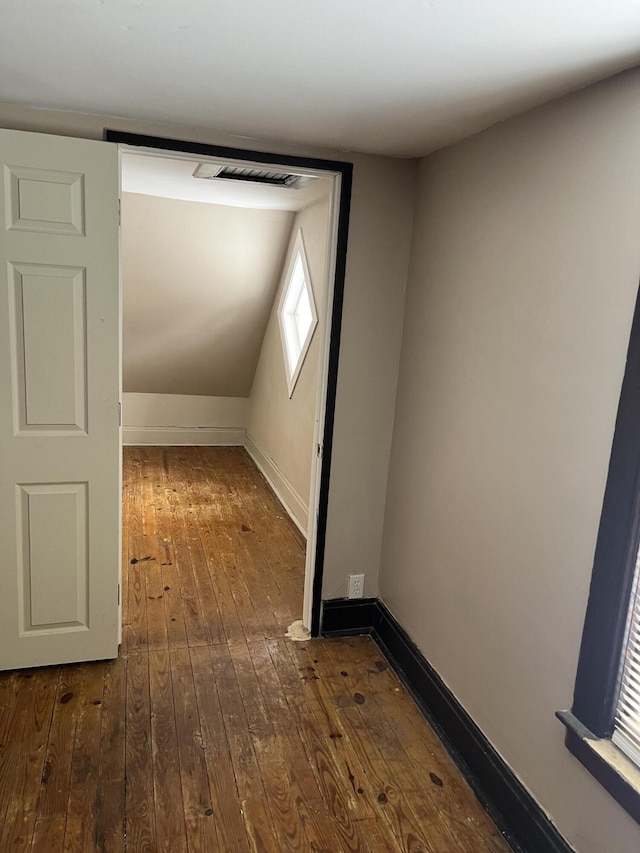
(297, 315)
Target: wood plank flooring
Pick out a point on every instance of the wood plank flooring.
(211, 733)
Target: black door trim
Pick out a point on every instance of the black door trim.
(346, 172)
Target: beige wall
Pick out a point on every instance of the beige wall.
(525, 266)
(377, 262)
(376, 278)
(284, 427)
(183, 410)
(170, 419)
(198, 282)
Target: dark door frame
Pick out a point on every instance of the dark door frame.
(345, 170)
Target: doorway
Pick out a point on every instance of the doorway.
(310, 174)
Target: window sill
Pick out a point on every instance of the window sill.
(609, 765)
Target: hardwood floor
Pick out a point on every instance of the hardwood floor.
(211, 732)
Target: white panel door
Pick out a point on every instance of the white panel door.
(59, 393)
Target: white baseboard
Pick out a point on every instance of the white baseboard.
(172, 436)
(290, 499)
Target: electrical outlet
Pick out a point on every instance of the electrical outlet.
(356, 586)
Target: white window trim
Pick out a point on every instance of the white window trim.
(293, 372)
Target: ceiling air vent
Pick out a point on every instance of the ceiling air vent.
(273, 178)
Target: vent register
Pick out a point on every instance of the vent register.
(271, 177)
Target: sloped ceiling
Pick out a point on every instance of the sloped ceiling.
(198, 284)
(398, 78)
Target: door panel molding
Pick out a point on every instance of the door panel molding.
(44, 200)
(60, 495)
(53, 557)
(46, 303)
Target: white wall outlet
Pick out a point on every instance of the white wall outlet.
(356, 586)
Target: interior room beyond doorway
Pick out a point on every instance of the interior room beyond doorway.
(204, 266)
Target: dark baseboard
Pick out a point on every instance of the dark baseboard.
(346, 617)
(519, 817)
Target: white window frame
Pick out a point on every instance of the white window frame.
(294, 346)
